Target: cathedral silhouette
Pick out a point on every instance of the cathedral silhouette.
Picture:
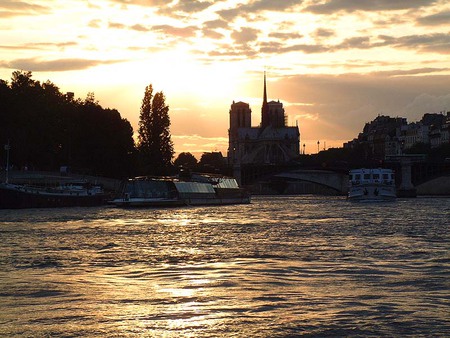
(273, 142)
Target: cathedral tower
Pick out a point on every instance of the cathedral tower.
(240, 117)
(272, 113)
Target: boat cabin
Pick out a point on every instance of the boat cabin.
(370, 176)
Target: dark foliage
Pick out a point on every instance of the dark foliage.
(213, 162)
(154, 143)
(48, 129)
(185, 160)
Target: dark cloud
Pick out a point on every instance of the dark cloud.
(225, 53)
(271, 47)
(145, 3)
(212, 34)
(285, 36)
(184, 8)
(437, 42)
(245, 35)
(348, 101)
(258, 6)
(418, 71)
(323, 33)
(136, 27)
(20, 8)
(442, 18)
(434, 43)
(209, 29)
(54, 65)
(139, 28)
(230, 14)
(360, 42)
(184, 32)
(305, 48)
(191, 6)
(332, 6)
(40, 45)
(116, 25)
(270, 5)
(429, 43)
(216, 24)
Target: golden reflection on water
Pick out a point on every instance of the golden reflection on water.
(237, 271)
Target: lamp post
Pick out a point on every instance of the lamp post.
(7, 148)
(318, 144)
(304, 146)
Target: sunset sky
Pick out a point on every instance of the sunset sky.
(335, 64)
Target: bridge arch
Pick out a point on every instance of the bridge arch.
(330, 179)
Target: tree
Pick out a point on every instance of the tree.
(186, 160)
(213, 162)
(154, 142)
(48, 129)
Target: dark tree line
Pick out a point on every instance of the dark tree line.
(212, 162)
(155, 146)
(48, 129)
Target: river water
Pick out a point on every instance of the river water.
(280, 266)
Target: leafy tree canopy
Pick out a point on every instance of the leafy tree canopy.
(154, 141)
(48, 129)
(186, 160)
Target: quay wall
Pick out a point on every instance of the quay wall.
(439, 186)
(47, 177)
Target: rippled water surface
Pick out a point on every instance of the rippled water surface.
(281, 266)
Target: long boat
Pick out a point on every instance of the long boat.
(69, 194)
(371, 185)
(198, 189)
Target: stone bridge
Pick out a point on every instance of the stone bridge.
(414, 176)
(300, 181)
(330, 179)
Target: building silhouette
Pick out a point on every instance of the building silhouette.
(273, 142)
(388, 136)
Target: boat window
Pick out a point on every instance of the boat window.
(357, 176)
(367, 176)
(147, 189)
(376, 176)
(194, 187)
(227, 183)
(385, 176)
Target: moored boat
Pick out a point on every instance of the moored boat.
(48, 192)
(197, 189)
(371, 185)
(69, 194)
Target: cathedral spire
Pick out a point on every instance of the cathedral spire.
(265, 106)
(265, 90)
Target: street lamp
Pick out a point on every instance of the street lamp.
(7, 148)
(318, 144)
(304, 146)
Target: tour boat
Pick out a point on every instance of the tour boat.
(68, 194)
(48, 192)
(197, 189)
(371, 185)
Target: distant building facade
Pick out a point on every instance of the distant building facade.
(386, 136)
(273, 142)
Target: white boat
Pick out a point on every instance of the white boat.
(197, 189)
(68, 194)
(371, 185)
(43, 193)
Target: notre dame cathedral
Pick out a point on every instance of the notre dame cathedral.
(273, 142)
